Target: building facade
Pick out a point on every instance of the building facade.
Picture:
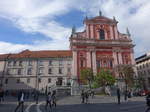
(35, 69)
(143, 70)
(99, 46)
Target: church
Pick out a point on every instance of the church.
(99, 46)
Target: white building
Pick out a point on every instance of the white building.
(35, 69)
(143, 70)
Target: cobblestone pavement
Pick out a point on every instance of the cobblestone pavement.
(73, 104)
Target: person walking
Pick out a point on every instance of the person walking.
(92, 93)
(125, 95)
(20, 101)
(86, 97)
(36, 96)
(54, 98)
(48, 101)
(82, 96)
(148, 102)
(118, 95)
(1, 95)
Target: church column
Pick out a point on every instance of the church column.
(74, 66)
(120, 58)
(92, 31)
(115, 59)
(106, 35)
(94, 62)
(87, 31)
(88, 59)
(111, 33)
(132, 58)
(116, 32)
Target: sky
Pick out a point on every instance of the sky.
(46, 24)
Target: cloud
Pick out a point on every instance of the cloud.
(38, 16)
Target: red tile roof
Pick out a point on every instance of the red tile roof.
(39, 54)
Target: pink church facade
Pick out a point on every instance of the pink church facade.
(100, 46)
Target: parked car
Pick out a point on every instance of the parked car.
(144, 92)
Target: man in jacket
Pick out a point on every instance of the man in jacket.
(20, 101)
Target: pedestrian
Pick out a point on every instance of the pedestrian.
(118, 95)
(92, 93)
(148, 102)
(54, 98)
(125, 95)
(1, 95)
(20, 101)
(36, 96)
(82, 96)
(86, 97)
(48, 101)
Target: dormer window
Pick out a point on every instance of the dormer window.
(101, 34)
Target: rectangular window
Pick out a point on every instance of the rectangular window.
(82, 63)
(49, 80)
(29, 72)
(69, 63)
(69, 70)
(39, 80)
(41, 70)
(19, 71)
(40, 63)
(98, 63)
(28, 80)
(50, 62)
(20, 63)
(60, 62)
(18, 81)
(49, 71)
(30, 63)
(6, 81)
(111, 64)
(8, 71)
(9, 63)
(15, 63)
(60, 71)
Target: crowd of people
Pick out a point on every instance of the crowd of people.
(50, 100)
(85, 96)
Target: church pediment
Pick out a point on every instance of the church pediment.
(101, 19)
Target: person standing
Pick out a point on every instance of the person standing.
(92, 93)
(118, 95)
(1, 95)
(20, 101)
(54, 98)
(48, 101)
(82, 97)
(148, 102)
(36, 96)
(125, 95)
(86, 97)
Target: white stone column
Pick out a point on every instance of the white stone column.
(74, 64)
(116, 32)
(132, 58)
(88, 59)
(92, 31)
(120, 58)
(111, 33)
(115, 59)
(87, 31)
(106, 36)
(94, 62)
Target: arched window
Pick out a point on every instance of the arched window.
(101, 34)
